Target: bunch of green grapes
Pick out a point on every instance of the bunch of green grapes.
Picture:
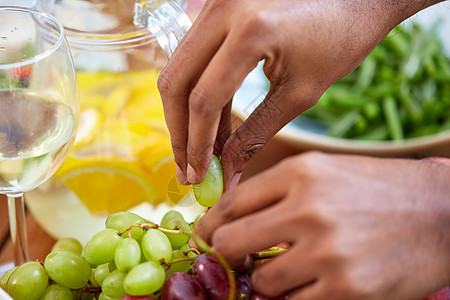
(130, 256)
(133, 258)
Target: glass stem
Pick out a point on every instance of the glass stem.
(17, 227)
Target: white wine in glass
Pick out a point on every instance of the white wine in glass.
(38, 108)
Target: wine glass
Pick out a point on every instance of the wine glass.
(39, 108)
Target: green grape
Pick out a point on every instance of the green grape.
(192, 225)
(101, 272)
(68, 269)
(68, 244)
(122, 220)
(27, 282)
(173, 220)
(113, 284)
(127, 255)
(145, 279)
(186, 247)
(155, 245)
(210, 189)
(103, 296)
(198, 218)
(92, 279)
(112, 266)
(5, 277)
(182, 266)
(56, 292)
(101, 247)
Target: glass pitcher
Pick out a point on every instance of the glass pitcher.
(122, 158)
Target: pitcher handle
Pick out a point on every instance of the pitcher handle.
(165, 19)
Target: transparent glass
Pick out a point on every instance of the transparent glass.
(38, 108)
(122, 157)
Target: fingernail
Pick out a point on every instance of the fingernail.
(180, 175)
(235, 180)
(191, 175)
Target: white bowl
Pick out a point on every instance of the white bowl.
(304, 134)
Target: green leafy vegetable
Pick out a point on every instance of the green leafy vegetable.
(401, 90)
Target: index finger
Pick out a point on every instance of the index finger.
(179, 77)
(251, 196)
(216, 86)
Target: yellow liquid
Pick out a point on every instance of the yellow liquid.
(122, 156)
(121, 160)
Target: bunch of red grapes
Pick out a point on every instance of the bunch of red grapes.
(209, 282)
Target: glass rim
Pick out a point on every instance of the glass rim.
(40, 56)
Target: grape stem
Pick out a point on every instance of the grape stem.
(177, 231)
(169, 231)
(167, 265)
(93, 290)
(203, 246)
(195, 250)
(268, 253)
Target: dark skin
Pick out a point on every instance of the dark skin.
(360, 228)
(307, 45)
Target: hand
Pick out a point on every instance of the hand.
(360, 228)
(306, 44)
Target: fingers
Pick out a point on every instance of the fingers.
(251, 196)
(254, 232)
(213, 91)
(278, 276)
(281, 105)
(225, 129)
(179, 77)
(314, 291)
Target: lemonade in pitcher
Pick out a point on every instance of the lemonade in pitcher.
(122, 157)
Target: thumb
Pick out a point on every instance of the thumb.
(280, 106)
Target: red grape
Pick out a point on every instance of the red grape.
(179, 286)
(212, 276)
(129, 297)
(244, 286)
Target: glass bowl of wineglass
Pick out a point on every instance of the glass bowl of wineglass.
(39, 108)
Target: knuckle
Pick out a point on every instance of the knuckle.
(266, 282)
(310, 158)
(351, 288)
(178, 150)
(221, 241)
(199, 155)
(305, 165)
(249, 150)
(244, 147)
(255, 30)
(200, 101)
(164, 83)
(257, 25)
(226, 208)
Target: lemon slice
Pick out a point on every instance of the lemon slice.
(158, 160)
(108, 187)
